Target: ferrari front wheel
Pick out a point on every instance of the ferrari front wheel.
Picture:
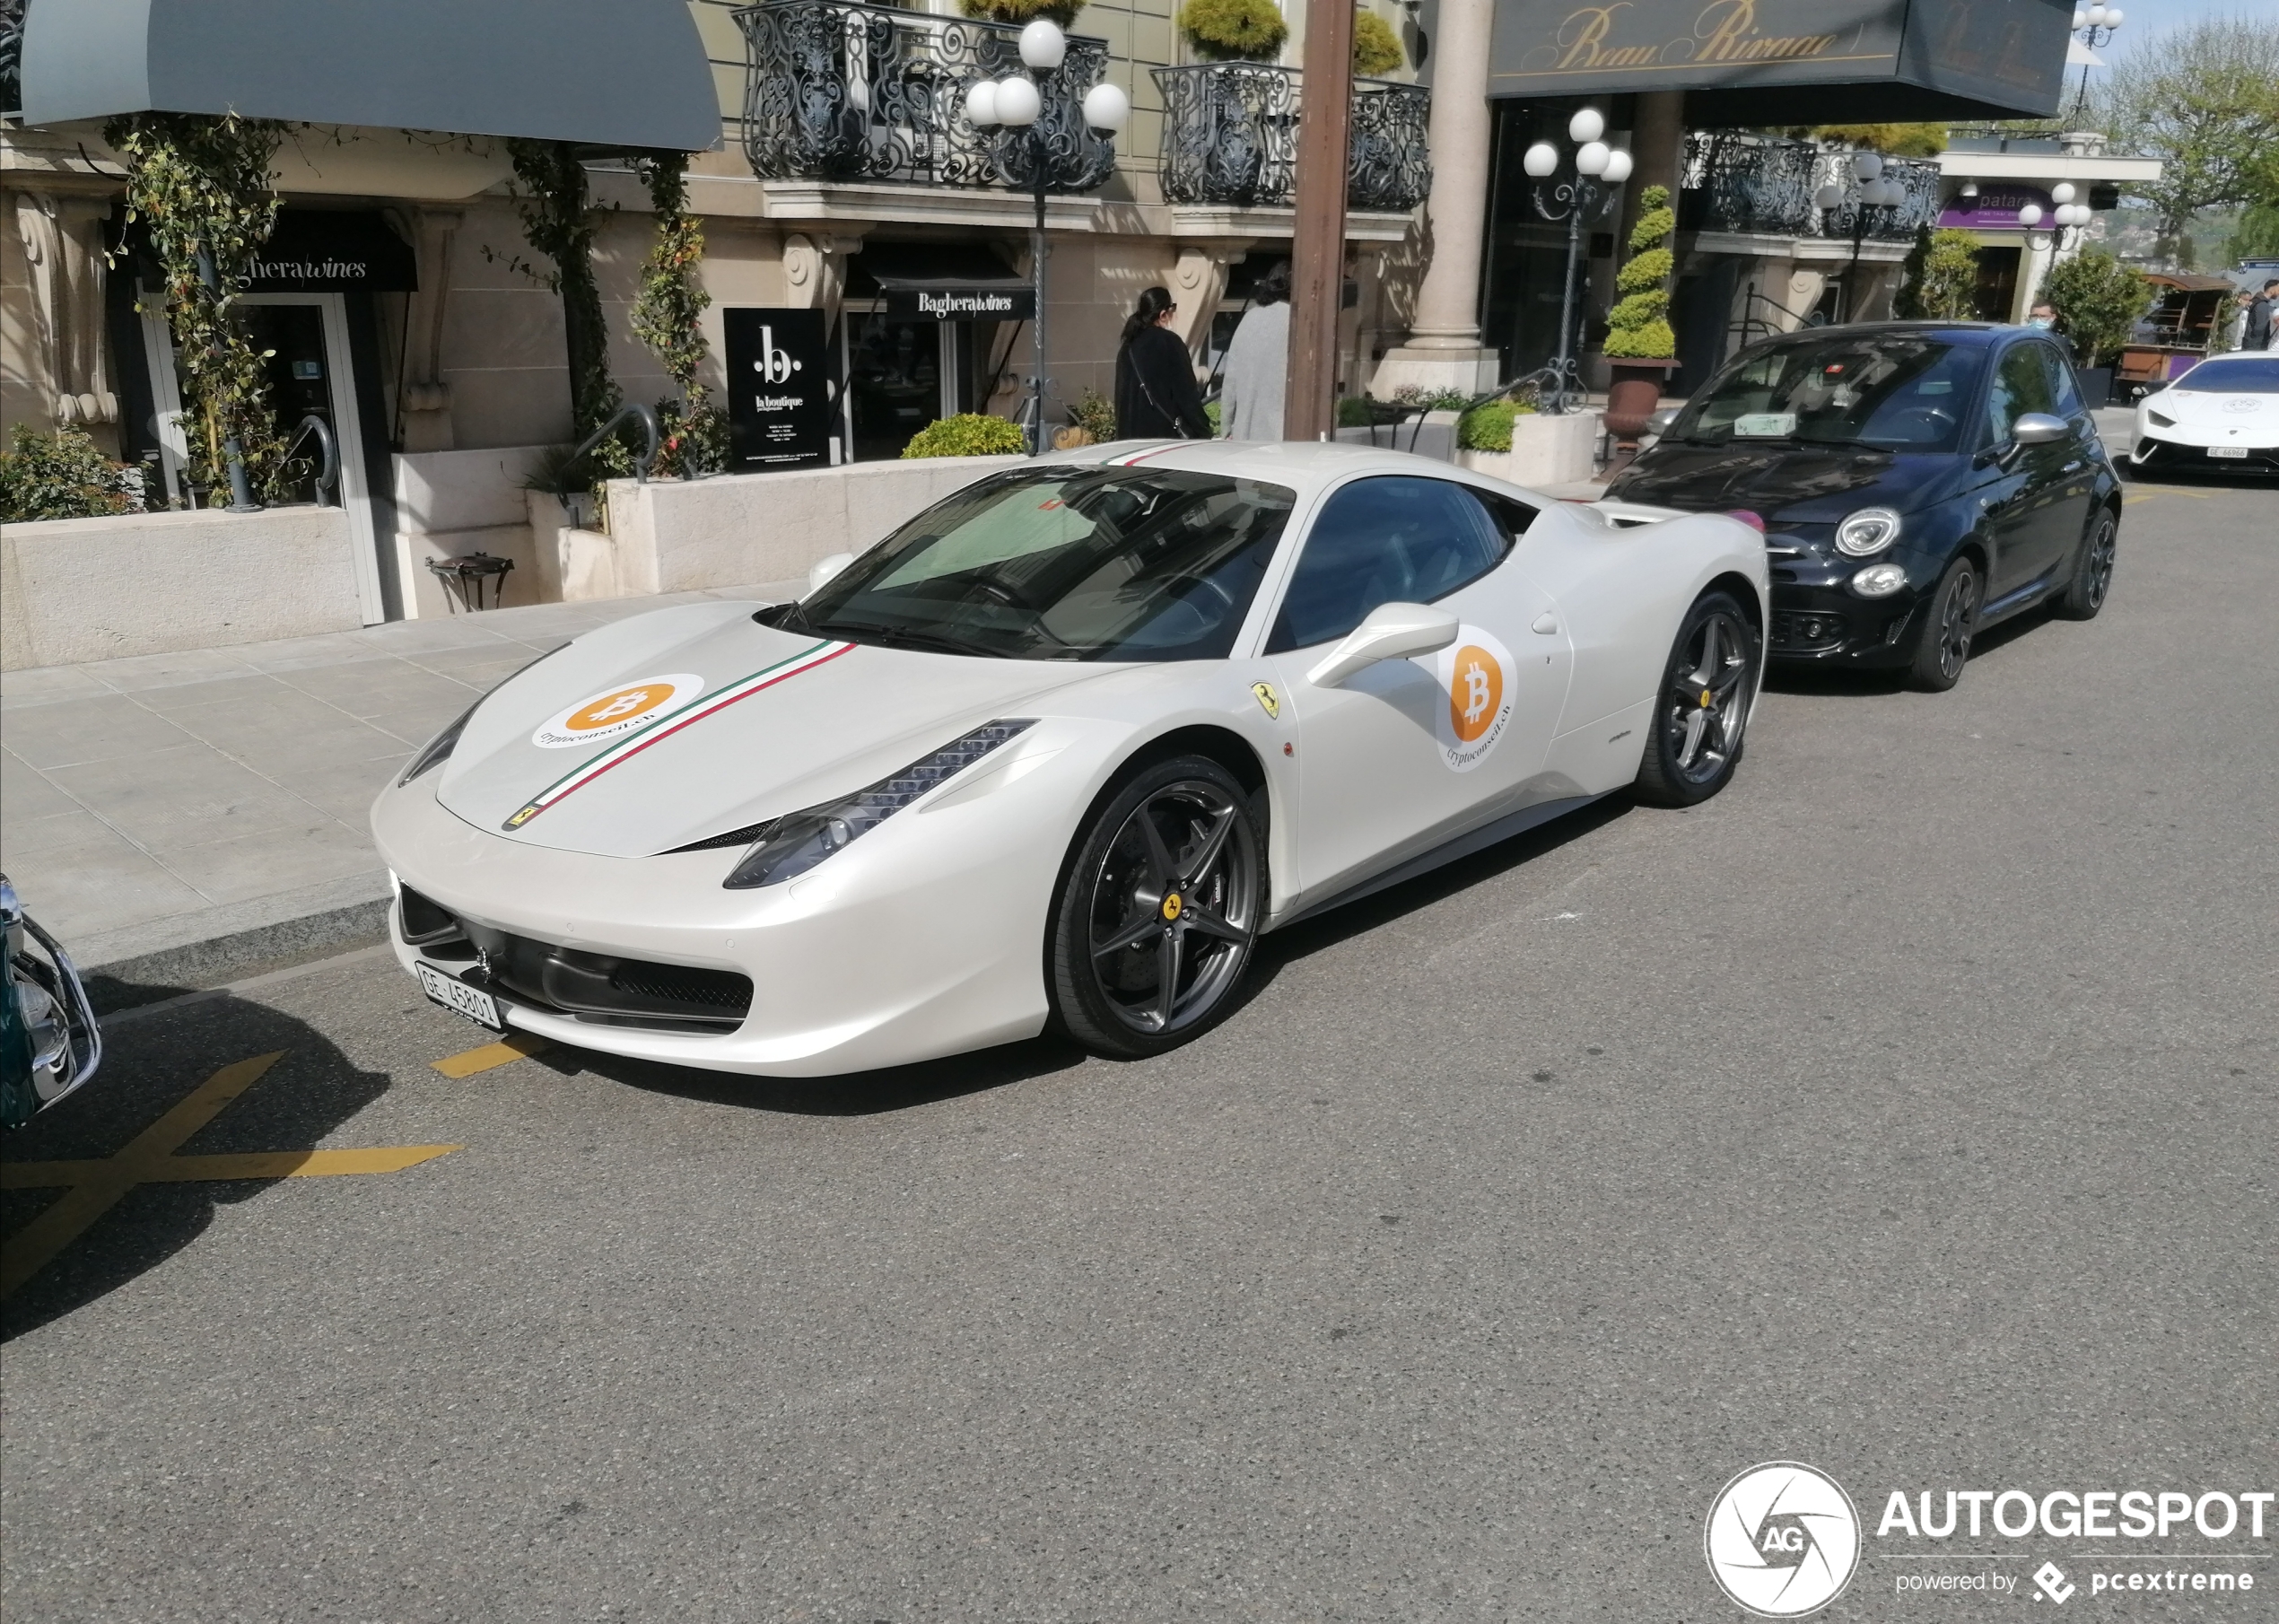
(1702, 709)
(1158, 910)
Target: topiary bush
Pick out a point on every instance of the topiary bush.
(1234, 31)
(968, 434)
(1062, 12)
(63, 475)
(2097, 300)
(1939, 281)
(1637, 327)
(1376, 49)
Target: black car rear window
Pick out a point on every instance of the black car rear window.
(1886, 391)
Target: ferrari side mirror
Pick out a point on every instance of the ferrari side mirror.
(1392, 631)
(826, 568)
(2040, 428)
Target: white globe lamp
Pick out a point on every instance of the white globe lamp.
(1106, 108)
(1591, 158)
(981, 103)
(1541, 160)
(1044, 47)
(1586, 126)
(2029, 216)
(1017, 103)
(1617, 167)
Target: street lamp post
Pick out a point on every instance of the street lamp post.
(2068, 221)
(1015, 104)
(2095, 24)
(1876, 192)
(1600, 172)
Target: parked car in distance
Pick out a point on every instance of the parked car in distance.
(1060, 749)
(49, 1041)
(1917, 481)
(2221, 418)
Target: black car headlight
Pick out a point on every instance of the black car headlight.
(1870, 530)
(438, 750)
(799, 840)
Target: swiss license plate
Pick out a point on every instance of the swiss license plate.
(453, 993)
(2227, 451)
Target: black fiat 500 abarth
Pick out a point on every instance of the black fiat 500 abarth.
(1917, 481)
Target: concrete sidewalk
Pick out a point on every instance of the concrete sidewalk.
(150, 804)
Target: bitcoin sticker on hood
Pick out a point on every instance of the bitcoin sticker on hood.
(1477, 674)
(616, 711)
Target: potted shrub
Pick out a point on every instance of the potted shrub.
(2098, 299)
(1376, 49)
(1940, 280)
(1641, 351)
(968, 434)
(1234, 31)
(1018, 11)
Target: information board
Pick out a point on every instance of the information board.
(778, 389)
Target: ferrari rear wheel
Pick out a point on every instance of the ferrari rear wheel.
(1158, 910)
(2093, 568)
(1703, 707)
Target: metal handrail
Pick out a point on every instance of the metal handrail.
(651, 433)
(328, 455)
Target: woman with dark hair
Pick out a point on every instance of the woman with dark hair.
(1258, 360)
(1156, 393)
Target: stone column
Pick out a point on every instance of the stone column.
(63, 250)
(425, 404)
(1443, 351)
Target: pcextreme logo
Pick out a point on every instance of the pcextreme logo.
(1783, 1539)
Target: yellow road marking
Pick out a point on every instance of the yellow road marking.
(507, 1050)
(2135, 496)
(95, 1187)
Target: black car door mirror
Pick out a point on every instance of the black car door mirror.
(2040, 428)
(1663, 421)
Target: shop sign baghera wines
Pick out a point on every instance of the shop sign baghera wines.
(778, 389)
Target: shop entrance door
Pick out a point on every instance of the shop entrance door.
(901, 376)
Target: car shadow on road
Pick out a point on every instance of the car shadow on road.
(1837, 681)
(150, 1065)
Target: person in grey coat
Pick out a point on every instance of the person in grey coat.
(1258, 361)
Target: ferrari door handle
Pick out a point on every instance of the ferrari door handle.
(1547, 625)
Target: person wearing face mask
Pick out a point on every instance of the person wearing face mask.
(2044, 316)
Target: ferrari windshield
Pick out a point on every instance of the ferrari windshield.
(2234, 375)
(1064, 562)
(1886, 391)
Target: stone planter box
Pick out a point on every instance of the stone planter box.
(77, 589)
(1546, 450)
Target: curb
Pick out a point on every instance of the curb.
(197, 966)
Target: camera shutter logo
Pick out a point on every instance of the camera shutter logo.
(1783, 1539)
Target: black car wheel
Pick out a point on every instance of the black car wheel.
(2093, 568)
(1944, 648)
(1158, 910)
(1703, 708)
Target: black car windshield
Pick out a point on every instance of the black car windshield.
(1062, 563)
(2234, 375)
(1887, 391)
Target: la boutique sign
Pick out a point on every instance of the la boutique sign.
(2009, 52)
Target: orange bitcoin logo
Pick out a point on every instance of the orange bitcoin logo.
(621, 706)
(1475, 693)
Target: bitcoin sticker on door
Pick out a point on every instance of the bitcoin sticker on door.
(1478, 678)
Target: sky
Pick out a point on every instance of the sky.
(2144, 20)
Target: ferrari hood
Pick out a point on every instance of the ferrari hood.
(2216, 408)
(687, 723)
(1799, 484)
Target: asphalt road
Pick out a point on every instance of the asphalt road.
(1908, 1112)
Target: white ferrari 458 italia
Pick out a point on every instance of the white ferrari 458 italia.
(2223, 416)
(1056, 752)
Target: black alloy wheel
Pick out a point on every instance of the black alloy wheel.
(2093, 568)
(1943, 647)
(1158, 910)
(1703, 708)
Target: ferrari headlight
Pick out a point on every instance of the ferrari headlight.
(2159, 422)
(1869, 530)
(1878, 580)
(438, 750)
(799, 840)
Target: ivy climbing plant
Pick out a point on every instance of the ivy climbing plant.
(558, 220)
(199, 184)
(666, 316)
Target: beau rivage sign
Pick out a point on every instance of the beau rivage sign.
(1997, 50)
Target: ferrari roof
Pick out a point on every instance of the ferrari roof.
(1288, 462)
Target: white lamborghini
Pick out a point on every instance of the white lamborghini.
(1058, 751)
(2221, 416)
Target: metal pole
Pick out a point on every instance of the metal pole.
(1037, 275)
(1567, 299)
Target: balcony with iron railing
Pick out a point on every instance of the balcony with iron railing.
(1230, 138)
(841, 92)
(1765, 186)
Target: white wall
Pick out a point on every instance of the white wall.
(450, 503)
(76, 589)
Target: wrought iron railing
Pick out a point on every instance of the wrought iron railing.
(1230, 137)
(1736, 182)
(835, 91)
